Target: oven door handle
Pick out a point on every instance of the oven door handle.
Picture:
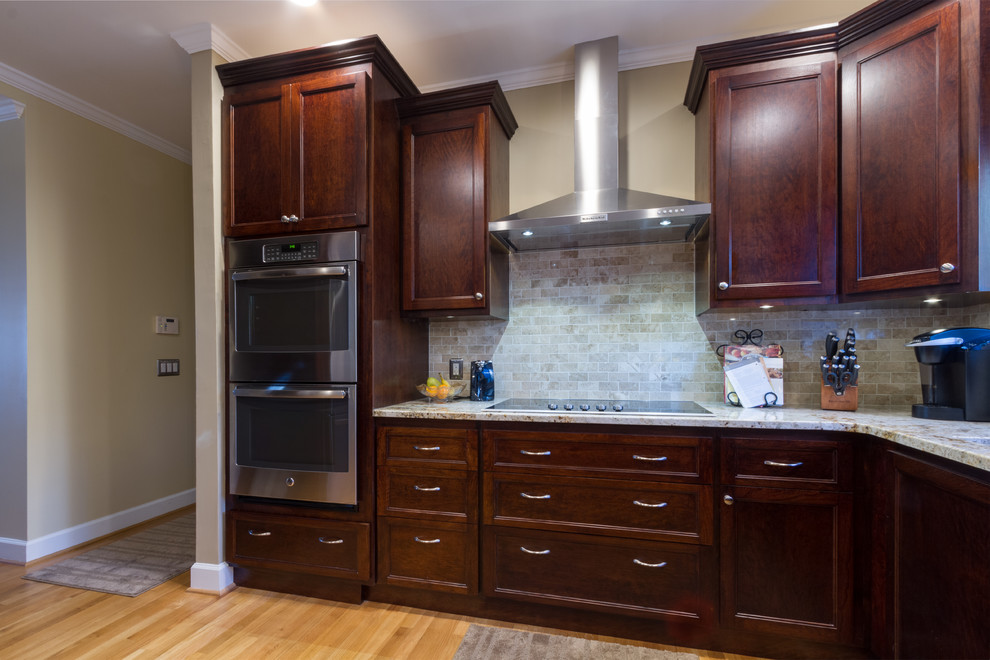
(289, 394)
(274, 273)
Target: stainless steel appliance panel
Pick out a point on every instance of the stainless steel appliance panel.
(292, 308)
(294, 442)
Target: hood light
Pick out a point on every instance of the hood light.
(766, 306)
(932, 301)
(665, 222)
(528, 232)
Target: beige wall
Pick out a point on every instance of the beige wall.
(108, 246)
(13, 333)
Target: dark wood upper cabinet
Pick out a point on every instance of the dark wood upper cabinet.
(455, 160)
(773, 227)
(298, 154)
(299, 130)
(901, 156)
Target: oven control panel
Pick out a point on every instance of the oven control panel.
(273, 253)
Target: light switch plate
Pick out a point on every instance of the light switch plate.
(168, 367)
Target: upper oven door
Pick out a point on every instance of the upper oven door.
(294, 324)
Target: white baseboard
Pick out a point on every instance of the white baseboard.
(22, 552)
(211, 578)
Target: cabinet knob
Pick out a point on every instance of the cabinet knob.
(723, 286)
(290, 482)
(728, 499)
(285, 218)
(479, 296)
(947, 268)
(290, 218)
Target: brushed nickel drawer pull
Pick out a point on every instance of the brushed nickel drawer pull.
(418, 448)
(533, 552)
(536, 497)
(776, 464)
(643, 563)
(324, 539)
(527, 452)
(251, 532)
(427, 489)
(649, 458)
(419, 540)
(658, 505)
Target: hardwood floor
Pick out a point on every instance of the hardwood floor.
(46, 621)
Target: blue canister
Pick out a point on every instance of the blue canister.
(482, 380)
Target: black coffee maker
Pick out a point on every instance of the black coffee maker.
(955, 374)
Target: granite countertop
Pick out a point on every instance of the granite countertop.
(965, 442)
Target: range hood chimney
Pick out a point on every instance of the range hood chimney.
(599, 212)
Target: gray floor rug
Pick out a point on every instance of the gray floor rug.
(130, 566)
(484, 642)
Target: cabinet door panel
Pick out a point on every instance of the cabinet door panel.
(775, 150)
(901, 157)
(940, 580)
(445, 222)
(332, 150)
(257, 121)
(786, 559)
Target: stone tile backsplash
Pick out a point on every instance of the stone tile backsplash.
(619, 323)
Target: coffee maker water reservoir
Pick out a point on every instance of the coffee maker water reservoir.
(955, 374)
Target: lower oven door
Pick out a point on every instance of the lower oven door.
(294, 442)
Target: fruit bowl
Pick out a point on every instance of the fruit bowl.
(433, 393)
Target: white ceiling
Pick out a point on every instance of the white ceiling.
(119, 58)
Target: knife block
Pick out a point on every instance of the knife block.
(849, 400)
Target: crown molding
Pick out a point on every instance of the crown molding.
(10, 109)
(77, 106)
(564, 71)
(205, 36)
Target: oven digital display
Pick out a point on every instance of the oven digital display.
(279, 252)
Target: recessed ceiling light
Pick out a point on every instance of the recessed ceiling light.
(303, 3)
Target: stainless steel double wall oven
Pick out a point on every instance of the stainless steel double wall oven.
(293, 366)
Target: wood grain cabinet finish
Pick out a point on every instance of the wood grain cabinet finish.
(636, 508)
(937, 592)
(455, 158)
(774, 179)
(786, 552)
(670, 458)
(324, 547)
(638, 578)
(298, 153)
(902, 141)
(428, 507)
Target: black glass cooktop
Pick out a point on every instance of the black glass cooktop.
(601, 406)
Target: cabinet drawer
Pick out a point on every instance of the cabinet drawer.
(641, 578)
(453, 448)
(429, 555)
(417, 492)
(673, 512)
(787, 463)
(328, 547)
(638, 457)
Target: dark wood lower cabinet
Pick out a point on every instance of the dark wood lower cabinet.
(787, 562)
(667, 580)
(937, 561)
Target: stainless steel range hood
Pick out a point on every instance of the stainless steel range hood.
(598, 212)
